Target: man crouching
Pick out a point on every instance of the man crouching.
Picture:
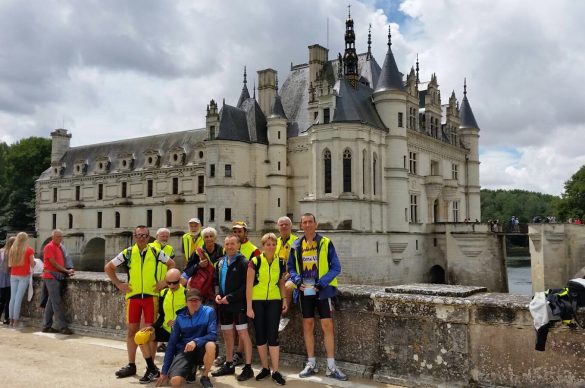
(192, 342)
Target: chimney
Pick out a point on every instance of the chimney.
(266, 90)
(60, 140)
(318, 56)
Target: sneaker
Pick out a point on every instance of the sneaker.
(277, 378)
(126, 371)
(149, 376)
(162, 347)
(265, 372)
(224, 370)
(246, 374)
(238, 359)
(219, 361)
(310, 370)
(49, 330)
(205, 382)
(191, 379)
(67, 331)
(336, 374)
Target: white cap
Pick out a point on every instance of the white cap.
(195, 219)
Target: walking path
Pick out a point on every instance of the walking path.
(30, 358)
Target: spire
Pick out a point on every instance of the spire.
(390, 76)
(350, 59)
(245, 94)
(254, 95)
(466, 117)
(369, 54)
(417, 79)
(277, 108)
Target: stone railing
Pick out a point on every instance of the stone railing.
(408, 335)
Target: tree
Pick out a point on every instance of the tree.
(20, 167)
(572, 201)
(503, 204)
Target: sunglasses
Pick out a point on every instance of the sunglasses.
(142, 235)
(173, 283)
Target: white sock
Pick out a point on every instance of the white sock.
(312, 361)
(331, 363)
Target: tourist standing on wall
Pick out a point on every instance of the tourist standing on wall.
(162, 243)
(314, 266)
(264, 291)
(230, 282)
(54, 273)
(5, 281)
(192, 239)
(21, 262)
(172, 299)
(141, 292)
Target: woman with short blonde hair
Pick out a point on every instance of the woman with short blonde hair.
(21, 261)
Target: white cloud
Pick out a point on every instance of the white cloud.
(116, 69)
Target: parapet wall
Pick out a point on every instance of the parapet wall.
(416, 335)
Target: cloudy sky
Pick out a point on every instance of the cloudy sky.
(114, 69)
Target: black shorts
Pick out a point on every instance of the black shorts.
(308, 304)
(161, 335)
(183, 363)
(228, 320)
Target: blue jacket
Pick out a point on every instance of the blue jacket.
(200, 327)
(325, 289)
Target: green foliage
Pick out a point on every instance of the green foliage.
(503, 204)
(20, 166)
(572, 201)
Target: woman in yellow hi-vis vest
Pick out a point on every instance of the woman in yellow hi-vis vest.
(264, 290)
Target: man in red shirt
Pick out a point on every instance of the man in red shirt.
(54, 272)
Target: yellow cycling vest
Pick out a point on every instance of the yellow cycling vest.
(162, 267)
(283, 250)
(189, 247)
(142, 275)
(266, 283)
(322, 250)
(172, 302)
(247, 249)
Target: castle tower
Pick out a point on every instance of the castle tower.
(266, 90)
(350, 59)
(277, 176)
(469, 133)
(212, 120)
(390, 99)
(60, 140)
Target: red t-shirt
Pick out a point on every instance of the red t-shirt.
(24, 268)
(52, 251)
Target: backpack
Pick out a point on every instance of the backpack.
(203, 281)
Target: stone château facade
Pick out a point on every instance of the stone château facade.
(377, 156)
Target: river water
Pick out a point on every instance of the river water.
(519, 277)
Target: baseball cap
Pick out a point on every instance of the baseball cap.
(195, 219)
(193, 293)
(239, 224)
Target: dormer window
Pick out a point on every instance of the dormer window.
(151, 158)
(58, 170)
(80, 167)
(177, 156)
(102, 165)
(125, 161)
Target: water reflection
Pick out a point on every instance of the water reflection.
(519, 277)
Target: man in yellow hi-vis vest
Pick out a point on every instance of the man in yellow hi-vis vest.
(192, 239)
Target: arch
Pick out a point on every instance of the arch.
(93, 255)
(42, 250)
(437, 275)
(327, 171)
(347, 170)
(117, 220)
(436, 210)
(364, 171)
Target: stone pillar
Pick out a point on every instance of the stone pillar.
(266, 90)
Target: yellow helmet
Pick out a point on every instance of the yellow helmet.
(143, 336)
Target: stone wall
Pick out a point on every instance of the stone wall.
(416, 335)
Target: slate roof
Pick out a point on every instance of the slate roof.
(466, 117)
(136, 147)
(355, 104)
(390, 76)
(277, 108)
(244, 123)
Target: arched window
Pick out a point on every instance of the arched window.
(117, 220)
(374, 172)
(364, 172)
(70, 221)
(169, 218)
(327, 172)
(347, 170)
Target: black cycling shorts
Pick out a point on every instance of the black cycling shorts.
(309, 303)
(184, 362)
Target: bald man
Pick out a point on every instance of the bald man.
(171, 300)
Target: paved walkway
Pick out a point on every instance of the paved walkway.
(30, 358)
